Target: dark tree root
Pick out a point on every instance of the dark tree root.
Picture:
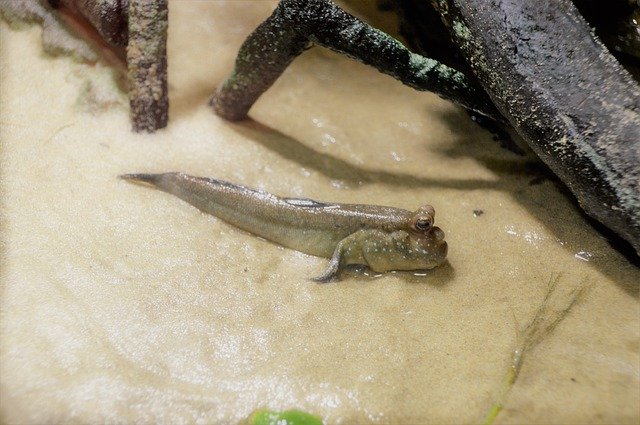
(108, 17)
(538, 61)
(297, 23)
(540, 64)
(564, 93)
(147, 64)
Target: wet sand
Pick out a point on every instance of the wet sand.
(124, 304)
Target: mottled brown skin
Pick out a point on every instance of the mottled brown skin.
(383, 238)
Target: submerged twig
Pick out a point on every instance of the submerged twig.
(147, 64)
(543, 323)
(296, 23)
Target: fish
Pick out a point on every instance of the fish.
(380, 237)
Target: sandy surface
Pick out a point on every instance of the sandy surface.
(124, 304)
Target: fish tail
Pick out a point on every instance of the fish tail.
(152, 180)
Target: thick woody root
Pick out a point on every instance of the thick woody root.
(296, 24)
(147, 64)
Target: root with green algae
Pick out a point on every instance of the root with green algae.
(543, 323)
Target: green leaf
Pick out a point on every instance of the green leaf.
(287, 417)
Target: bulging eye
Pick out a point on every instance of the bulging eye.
(423, 223)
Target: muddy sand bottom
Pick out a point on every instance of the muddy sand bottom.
(124, 304)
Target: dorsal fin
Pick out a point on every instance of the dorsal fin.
(303, 202)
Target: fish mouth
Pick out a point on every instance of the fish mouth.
(438, 234)
(441, 245)
(444, 249)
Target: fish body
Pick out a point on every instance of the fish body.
(383, 238)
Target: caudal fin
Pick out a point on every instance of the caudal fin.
(152, 180)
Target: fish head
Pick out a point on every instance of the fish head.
(419, 245)
(424, 246)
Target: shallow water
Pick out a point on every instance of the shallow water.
(124, 304)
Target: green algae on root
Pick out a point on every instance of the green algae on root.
(296, 23)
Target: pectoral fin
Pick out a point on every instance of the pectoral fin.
(335, 264)
(348, 251)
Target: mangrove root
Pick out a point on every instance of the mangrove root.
(565, 94)
(297, 23)
(147, 64)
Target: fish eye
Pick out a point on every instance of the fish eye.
(423, 223)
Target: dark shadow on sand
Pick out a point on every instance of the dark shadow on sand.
(520, 177)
